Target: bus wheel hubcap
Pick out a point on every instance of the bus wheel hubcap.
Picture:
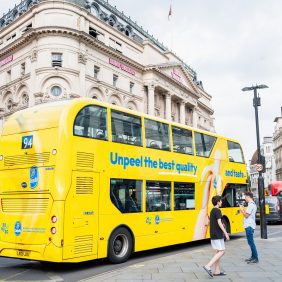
(120, 245)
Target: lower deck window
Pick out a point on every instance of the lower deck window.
(126, 195)
(184, 196)
(158, 196)
(233, 195)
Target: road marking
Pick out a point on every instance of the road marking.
(15, 275)
(277, 232)
(53, 277)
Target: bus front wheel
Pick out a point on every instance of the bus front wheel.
(120, 245)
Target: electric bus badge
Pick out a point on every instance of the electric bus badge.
(34, 177)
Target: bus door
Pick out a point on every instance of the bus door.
(81, 216)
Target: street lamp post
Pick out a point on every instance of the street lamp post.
(256, 104)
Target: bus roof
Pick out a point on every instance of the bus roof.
(42, 116)
(48, 115)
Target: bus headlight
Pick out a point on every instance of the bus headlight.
(54, 152)
(54, 219)
(1, 157)
(53, 230)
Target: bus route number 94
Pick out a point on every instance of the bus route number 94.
(27, 142)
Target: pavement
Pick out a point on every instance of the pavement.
(188, 265)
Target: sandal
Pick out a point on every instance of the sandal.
(208, 271)
(220, 274)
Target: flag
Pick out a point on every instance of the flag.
(170, 12)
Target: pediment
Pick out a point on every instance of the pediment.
(178, 73)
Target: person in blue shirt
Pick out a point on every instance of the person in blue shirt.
(250, 225)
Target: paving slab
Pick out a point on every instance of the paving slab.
(187, 265)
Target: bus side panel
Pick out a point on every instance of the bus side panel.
(81, 216)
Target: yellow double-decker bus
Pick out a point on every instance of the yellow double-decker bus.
(82, 179)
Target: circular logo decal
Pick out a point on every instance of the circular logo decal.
(18, 228)
(157, 219)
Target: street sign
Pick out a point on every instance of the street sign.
(259, 167)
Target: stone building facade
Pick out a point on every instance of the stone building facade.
(277, 146)
(59, 49)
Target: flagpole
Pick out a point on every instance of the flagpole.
(170, 26)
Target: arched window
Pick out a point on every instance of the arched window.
(9, 105)
(128, 30)
(2, 23)
(29, 3)
(112, 20)
(25, 99)
(95, 9)
(56, 91)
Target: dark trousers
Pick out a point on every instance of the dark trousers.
(250, 238)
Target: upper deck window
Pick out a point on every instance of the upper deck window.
(182, 140)
(91, 122)
(235, 153)
(126, 128)
(157, 135)
(204, 144)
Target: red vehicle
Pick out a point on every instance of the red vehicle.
(276, 188)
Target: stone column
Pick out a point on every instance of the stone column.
(168, 106)
(32, 85)
(151, 99)
(182, 112)
(194, 117)
(82, 60)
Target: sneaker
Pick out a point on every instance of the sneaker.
(249, 259)
(208, 271)
(253, 261)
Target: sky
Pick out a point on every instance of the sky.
(230, 44)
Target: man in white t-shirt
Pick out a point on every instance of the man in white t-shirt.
(250, 225)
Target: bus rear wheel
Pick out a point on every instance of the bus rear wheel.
(120, 245)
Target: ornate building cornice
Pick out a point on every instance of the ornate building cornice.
(68, 32)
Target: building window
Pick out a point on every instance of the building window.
(23, 69)
(115, 45)
(25, 100)
(112, 20)
(126, 128)
(118, 47)
(184, 196)
(56, 91)
(128, 31)
(158, 196)
(9, 75)
(94, 9)
(57, 59)
(126, 195)
(115, 79)
(96, 34)
(11, 37)
(96, 71)
(91, 122)
(131, 86)
(10, 105)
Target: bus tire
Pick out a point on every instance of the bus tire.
(226, 224)
(120, 245)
